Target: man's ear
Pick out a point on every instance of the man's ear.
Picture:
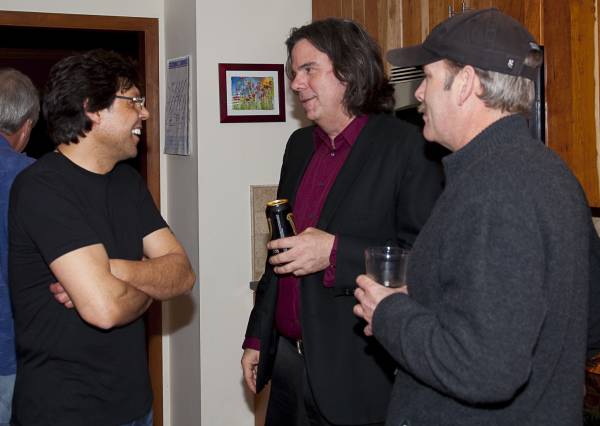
(467, 84)
(95, 117)
(21, 136)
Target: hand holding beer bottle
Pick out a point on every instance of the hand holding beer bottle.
(300, 254)
(280, 220)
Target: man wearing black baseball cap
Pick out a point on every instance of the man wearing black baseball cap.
(491, 328)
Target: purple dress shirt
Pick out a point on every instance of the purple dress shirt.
(324, 166)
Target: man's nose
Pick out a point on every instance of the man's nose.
(297, 83)
(419, 92)
(144, 113)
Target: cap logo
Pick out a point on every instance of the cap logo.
(511, 63)
(534, 46)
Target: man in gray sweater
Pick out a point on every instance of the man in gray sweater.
(491, 329)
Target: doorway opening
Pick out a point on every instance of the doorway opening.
(33, 42)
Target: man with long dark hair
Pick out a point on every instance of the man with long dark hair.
(80, 216)
(358, 177)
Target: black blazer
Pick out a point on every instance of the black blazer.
(383, 194)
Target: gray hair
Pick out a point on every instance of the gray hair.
(19, 101)
(508, 93)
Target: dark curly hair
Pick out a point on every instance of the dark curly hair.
(356, 60)
(83, 83)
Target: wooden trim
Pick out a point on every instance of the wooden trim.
(150, 152)
(597, 95)
(74, 21)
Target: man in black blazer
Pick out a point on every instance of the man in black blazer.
(357, 178)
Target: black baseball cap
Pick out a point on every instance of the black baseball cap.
(486, 38)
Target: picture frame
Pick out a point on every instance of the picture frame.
(251, 93)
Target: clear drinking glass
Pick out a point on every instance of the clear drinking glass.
(387, 265)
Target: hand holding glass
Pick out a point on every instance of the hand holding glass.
(387, 265)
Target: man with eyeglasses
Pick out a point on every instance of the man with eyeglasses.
(82, 218)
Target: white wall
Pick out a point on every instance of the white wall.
(231, 157)
(182, 315)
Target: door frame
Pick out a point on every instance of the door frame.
(150, 157)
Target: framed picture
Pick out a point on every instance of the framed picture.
(251, 92)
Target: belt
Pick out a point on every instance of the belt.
(299, 344)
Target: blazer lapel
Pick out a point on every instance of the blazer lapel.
(359, 156)
(302, 157)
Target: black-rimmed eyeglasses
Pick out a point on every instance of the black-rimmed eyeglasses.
(138, 101)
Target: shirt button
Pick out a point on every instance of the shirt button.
(332, 154)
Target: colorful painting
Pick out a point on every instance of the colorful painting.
(248, 93)
(251, 92)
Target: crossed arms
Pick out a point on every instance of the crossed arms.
(112, 292)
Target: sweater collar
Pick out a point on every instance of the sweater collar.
(501, 133)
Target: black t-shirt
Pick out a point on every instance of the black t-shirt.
(68, 371)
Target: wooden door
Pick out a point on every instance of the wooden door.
(571, 48)
(43, 29)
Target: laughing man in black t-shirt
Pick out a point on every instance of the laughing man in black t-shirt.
(81, 218)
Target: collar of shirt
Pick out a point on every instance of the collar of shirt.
(4, 143)
(348, 135)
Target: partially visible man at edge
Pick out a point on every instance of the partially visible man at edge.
(356, 178)
(19, 111)
(80, 217)
(492, 327)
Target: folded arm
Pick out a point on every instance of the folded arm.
(100, 298)
(164, 274)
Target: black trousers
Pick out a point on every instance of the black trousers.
(291, 401)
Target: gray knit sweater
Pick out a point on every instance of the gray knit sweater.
(494, 329)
